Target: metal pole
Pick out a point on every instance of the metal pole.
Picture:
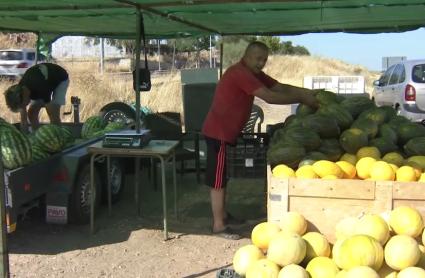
(4, 252)
(221, 58)
(138, 42)
(102, 54)
(159, 54)
(210, 53)
(37, 49)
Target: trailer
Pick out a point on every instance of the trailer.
(60, 184)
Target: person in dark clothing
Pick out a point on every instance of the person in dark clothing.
(42, 85)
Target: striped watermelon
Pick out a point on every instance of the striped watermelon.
(15, 148)
(50, 138)
(38, 153)
(92, 125)
(111, 126)
(67, 134)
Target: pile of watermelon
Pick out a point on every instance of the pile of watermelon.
(340, 128)
(15, 146)
(95, 126)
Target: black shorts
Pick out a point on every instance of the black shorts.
(215, 172)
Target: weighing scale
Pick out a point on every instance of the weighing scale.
(127, 139)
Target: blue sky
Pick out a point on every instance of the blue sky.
(367, 49)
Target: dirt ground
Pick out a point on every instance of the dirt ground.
(126, 245)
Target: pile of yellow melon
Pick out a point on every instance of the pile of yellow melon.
(367, 164)
(389, 245)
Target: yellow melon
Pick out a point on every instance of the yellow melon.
(293, 221)
(421, 262)
(363, 167)
(387, 272)
(382, 171)
(402, 251)
(245, 256)
(406, 174)
(360, 250)
(342, 274)
(262, 234)
(412, 272)
(346, 227)
(374, 226)
(395, 167)
(286, 248)
(406, 220)
(283, 171)
(368, 152)
(263, 268)
(306, 172)
(335, 251)
(350, 158)
(325, 168)
(317, 246)
(394, 158)
(422, 178)
(293, 271)
(348, 169)
(362, 271)
(322, 267)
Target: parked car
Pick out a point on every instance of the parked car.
(14, 62)
(402, 86)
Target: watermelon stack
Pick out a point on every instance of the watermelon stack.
(15, 147)
(92, 127)
(50, 138)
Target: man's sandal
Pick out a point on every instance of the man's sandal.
(227, 233)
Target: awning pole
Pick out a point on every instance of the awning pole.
(37, 48)
(4, 252)
(137, 65)
(221, 57)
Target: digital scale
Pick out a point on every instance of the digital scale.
(127, 139)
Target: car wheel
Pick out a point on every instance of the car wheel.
(80, 203)
(119, 112)
(117, 180)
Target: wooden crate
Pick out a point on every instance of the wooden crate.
(325, 202)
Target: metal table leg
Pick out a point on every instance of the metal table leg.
(91, 193)
(175, 184)
(164, 197)
(136, 184)
(108, 184)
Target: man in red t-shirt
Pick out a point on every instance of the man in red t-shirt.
(229, 111)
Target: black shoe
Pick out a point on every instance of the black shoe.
(231, 220)
(227, 233)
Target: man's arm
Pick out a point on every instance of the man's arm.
(287, 94)
(24, 120)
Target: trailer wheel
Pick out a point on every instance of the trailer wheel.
(117, 181)
(80, 202)
(119, 112)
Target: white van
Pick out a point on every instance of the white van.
(14, 62)
(402, 86)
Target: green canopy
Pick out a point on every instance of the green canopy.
(179, 18)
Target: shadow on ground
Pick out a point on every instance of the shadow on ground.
(246, 199)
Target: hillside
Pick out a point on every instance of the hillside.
(96, 90)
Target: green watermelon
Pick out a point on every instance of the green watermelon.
(386, 131)
(326, 97)
(304, 110)
(407, 131)
(15, 148)
(111, 126)
(384, 145)
(324, 125)
(367, 125)
(293, 120)
(378, 115)
(290, 156)
(92, 124)
(38, 153)
(339, 113)
(357, 104)
(415, 146)
(397, 120)
(306, 137)
(331, 148)
(50, 137)
(315, 155)
(353, 139)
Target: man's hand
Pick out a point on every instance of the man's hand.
(309, 99)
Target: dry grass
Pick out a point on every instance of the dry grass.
(96, 90)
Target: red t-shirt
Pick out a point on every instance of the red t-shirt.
(232, 103)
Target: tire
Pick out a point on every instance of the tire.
(80, 196)
(119, 112)
(117, 180)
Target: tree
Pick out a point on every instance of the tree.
(272, 42)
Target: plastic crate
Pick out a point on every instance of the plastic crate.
(247, 158)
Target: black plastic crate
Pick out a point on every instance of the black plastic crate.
(247, 158)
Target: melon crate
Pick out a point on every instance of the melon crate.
(325, 202)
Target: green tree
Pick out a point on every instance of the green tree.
(272, 42)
